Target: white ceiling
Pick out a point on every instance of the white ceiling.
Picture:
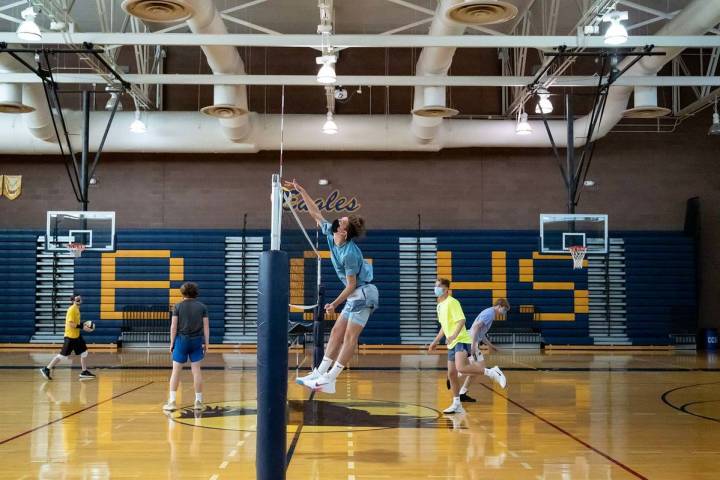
(359, 16)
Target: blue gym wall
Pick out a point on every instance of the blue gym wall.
(151, 264)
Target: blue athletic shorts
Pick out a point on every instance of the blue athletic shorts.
(459, 347)
(188, 347)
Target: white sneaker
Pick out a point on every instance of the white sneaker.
(169, 406)
(323, 384)
(198, 405)
(456, 407)
(499, 376)
(312, 376)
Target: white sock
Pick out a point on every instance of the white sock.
(463, 390)
(172, 396)
(336, 370)
(198, 396)
(456, 399)
(325, 365)
(489, 373)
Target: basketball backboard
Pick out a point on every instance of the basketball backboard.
(95, 230)
(559, 232)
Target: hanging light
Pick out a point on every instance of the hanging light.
(111, 102)
(28, 29)
(326, 74)
(544, 104)
(138, 126)
(715, 127)
(616, 33)
(330, 127)
(523, 127)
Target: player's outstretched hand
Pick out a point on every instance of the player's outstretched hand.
(294, 185)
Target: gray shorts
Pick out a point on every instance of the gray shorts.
(361, 304)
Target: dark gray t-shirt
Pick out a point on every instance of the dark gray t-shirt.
(190, 315)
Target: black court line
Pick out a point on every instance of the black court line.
(72, 414)
(565, 432)
(385, 369)
(684, 408)
(296, 437)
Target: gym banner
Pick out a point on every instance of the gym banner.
(12, 186)
(333, 202)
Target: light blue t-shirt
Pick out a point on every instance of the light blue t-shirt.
(486, 317)
(347, 259)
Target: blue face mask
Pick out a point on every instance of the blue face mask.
(439, 291)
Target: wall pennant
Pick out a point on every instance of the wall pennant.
(12, 186)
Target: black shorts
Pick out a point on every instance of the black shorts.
(76, 345)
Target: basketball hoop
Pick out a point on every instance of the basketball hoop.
(76, 249)
(578, 255)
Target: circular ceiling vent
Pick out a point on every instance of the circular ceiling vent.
(224, 111)
(646, 112)
(481, 12)
(159, 11)
(15, 107)
(435, 111)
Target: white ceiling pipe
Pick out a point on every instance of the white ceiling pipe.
(39, 121)
(222, 60)
(434, 61)
(193, 132)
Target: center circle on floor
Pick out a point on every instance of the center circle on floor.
(314, 416)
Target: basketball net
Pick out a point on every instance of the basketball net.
(578, 255)
(76, 249)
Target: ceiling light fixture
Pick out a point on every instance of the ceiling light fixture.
(523, 127)
(330, 127)
(715, 127)
(616, 33)
(28, 29)
(544, 105)
(138, 126)
(326, 74)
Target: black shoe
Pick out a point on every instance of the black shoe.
(87, 374)
(46, 373)
(447, 383)
(464, 397)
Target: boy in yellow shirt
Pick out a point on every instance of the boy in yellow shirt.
(452, 326)
(74, 341)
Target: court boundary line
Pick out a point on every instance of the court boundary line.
(72, 414)
(568, 434)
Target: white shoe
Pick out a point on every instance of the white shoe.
(169, 406)
(499, 376)
(198, 405)
(312, 376)
(323, 384)
(456, 407)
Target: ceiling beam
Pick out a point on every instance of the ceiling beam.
(364, 80)
(367, 41)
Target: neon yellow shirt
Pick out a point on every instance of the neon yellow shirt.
(72, 319)
(450, 314)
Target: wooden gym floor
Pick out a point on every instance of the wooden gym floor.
(565, 416)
